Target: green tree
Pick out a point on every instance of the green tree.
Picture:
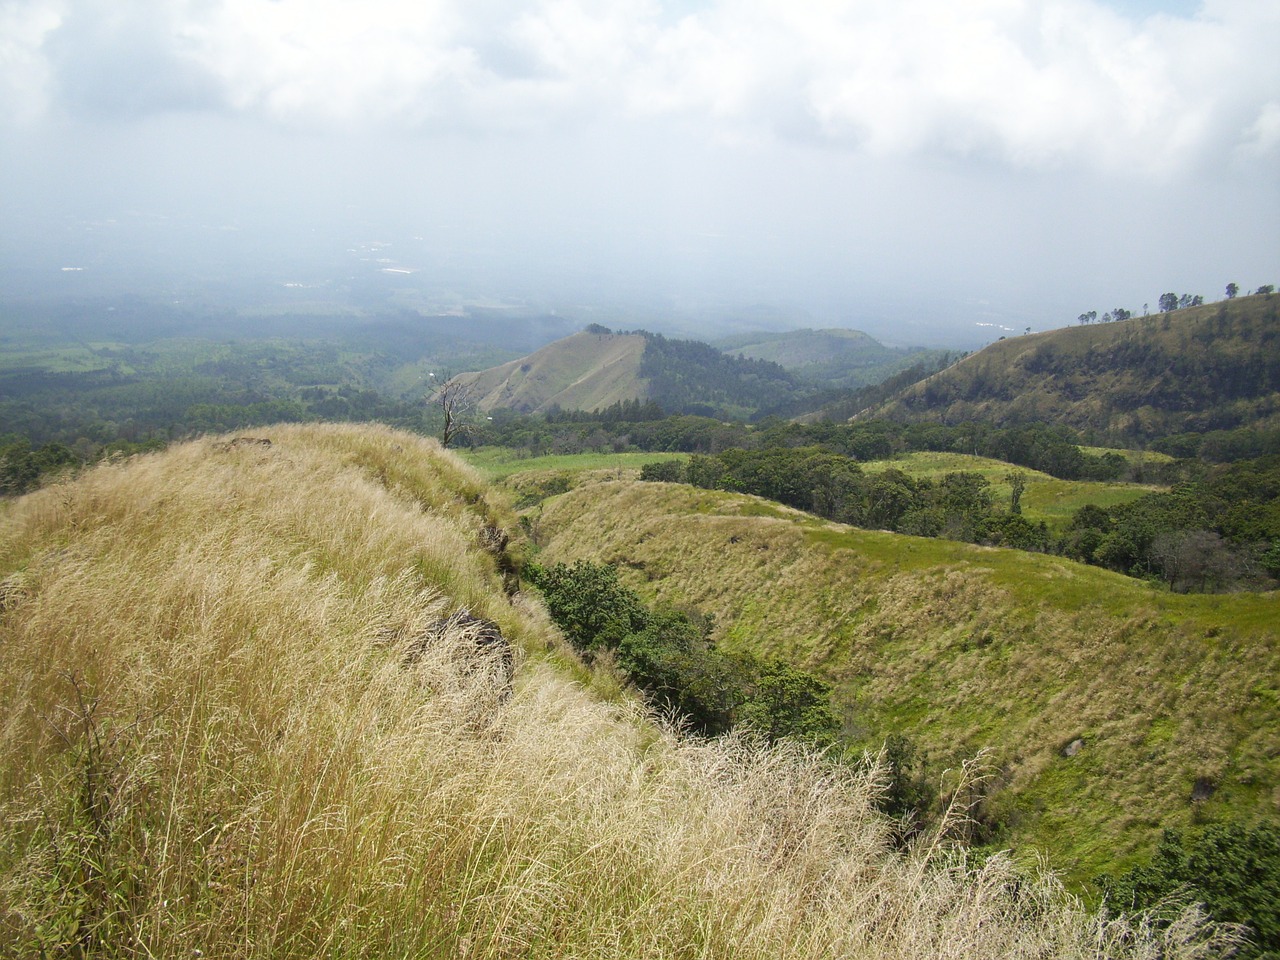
(1234, 870)
(1232, 290)
(589, 604)
(1017, 481)
(782, 701)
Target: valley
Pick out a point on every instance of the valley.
(1021, 705)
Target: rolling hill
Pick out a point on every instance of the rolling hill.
(1210, 367)
(271, 699)
(1106, 709)
(831, 357)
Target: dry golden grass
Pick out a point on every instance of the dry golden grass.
(212, 744)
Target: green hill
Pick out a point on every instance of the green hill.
(1211, 367)
(272, 700)
(832, 357)
(1102, 705)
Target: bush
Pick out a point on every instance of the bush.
(668, 655)
(668, 471)
(1232, 869)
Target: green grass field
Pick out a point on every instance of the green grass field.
(1045, 498)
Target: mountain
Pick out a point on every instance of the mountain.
(597, 368)
(584, 371)
(1105, 709)
(270, 697)
(1211, 367)
(831, 357)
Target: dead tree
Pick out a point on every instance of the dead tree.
(454, 398)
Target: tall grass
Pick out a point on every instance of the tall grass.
(214, 744)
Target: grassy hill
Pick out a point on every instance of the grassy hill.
(596, 368)
(833, 357)
(968, 649)
(242, 718)
(585, 371)
(1211, 367)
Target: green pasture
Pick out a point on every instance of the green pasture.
(1045, 498)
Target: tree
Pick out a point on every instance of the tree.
(1017, 484)
(1120, 313)
(1232, 290)
(454, 397)
(1266, 288)
(782, 701)
(1168, 302)
(1233, 869)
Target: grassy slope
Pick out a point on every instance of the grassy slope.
(211, 744)
(1045, 498)
(1006, 382)
(583, 372)
(968, 649)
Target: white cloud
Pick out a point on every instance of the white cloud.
(24, 71)
(1031, 83)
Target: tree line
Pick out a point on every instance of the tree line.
(1218, 532)
(1167, 302)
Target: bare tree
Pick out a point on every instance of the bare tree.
(454, 397)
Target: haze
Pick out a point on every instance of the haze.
(928, 171)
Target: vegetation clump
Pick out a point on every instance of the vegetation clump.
(1232, 869)
(668, 654)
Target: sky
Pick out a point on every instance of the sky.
(931, 171)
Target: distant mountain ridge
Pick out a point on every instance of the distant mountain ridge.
(833, 357)
(1210, 367)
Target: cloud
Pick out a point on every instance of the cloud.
(1037, 84)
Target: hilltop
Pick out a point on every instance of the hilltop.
(276, 697)
(1108, 709)
(1210, 367)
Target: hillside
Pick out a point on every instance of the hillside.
(597, 368)
(967, 649)
(1211, 367)
(585, 371)
(832, 357)
(256, 707)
